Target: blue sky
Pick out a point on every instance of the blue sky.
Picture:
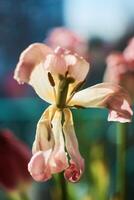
(107, 19)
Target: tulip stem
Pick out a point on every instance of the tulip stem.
(62, 91)
(121, 159)
(63, 187)
(24, 196)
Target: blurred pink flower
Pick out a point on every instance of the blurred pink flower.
(128, 53)
(120, 68)
(14, 157)
(68, 39)
(57, 76)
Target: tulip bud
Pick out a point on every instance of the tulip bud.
(14, 157)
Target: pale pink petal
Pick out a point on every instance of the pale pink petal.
(61, 51)
(39, 167)
(44, 136)
(78, 67)
(30, 70)
(106, 95)
(74, 171)
(29, 58)
(58, 160)
(63, 61)
(55, 64)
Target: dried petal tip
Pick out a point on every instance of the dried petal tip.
(72, 173)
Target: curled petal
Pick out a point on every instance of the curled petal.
(76, 168)
(73, 173)
(30, 58)
(30, 70)
(106, 95)
(39, 167)
(58, 160)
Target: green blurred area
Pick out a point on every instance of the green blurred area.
(97, 143)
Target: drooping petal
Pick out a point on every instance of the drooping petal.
(76, 168)
(44, 137)
(58, 160)
(106, 95)
(39, 166)
(30, 70)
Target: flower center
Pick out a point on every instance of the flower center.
(63, 90)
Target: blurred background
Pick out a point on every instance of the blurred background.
(103, 26)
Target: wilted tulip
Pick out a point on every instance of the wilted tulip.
(128, 53)
(57, 75)
(14, 157)
(120, 68)
(68, 39)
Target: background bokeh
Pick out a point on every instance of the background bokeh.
(105, 26)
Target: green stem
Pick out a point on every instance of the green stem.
(63, 187)
(24, 196)
(121, 159)
(62, 93)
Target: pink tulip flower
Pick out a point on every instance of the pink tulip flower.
(57, 76)
(120, 68)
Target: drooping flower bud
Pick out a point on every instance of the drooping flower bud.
(14, 157)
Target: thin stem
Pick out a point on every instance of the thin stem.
(121, 159)
(63, 187)
(24, 196)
